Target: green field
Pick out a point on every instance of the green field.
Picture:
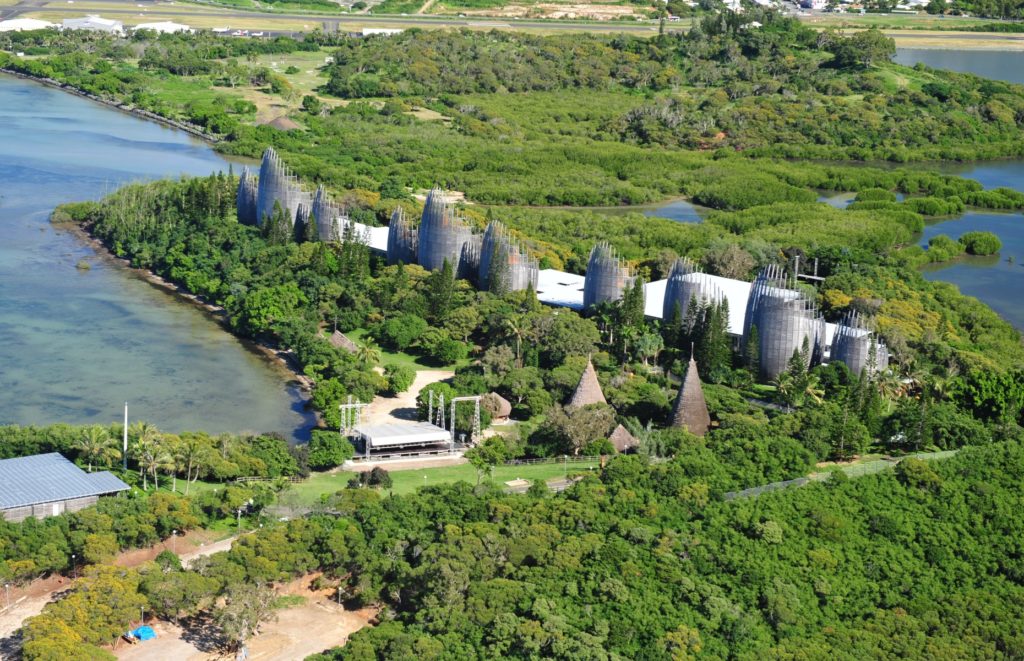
(407, 481)
(402, 358)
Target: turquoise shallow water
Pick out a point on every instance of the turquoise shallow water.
(75, 345)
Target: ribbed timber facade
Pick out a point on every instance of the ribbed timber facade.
(606, 278)
(329, 216)
(855, 345)
(403, 239)
(687, 283)
(278, 185)
(245, 202)
(502, 257)
(442, 234)
(786, 321)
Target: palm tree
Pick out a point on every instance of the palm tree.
(813, 389)
(784, 386)
(940, 385)
(368, 354)
(890, 387)
(193, 453)
(606, 317)
(147, 451)
(144, 433)
(171, 444)
(96, 445)
(153, 458)
(516, 329)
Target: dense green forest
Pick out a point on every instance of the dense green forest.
(290, 292)
(640, 562)
(34, 548)
(560, 120)
(645, 560)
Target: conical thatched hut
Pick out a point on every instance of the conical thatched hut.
(499, 407)
(339, 340)
(622, 440)
(588, 390)
(691, 411)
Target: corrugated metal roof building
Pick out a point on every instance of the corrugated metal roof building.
(48, 484)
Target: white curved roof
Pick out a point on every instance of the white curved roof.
(19, 24)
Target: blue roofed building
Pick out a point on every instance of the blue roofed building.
(48, 485)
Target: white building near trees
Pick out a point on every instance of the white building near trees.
(25, 24)
(95, 24)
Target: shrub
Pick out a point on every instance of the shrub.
(981, 243)
(328, 449)
(399, 378)
(941, 248)
(400, 332)
(449, 351)
(875, 195)
(934, 206)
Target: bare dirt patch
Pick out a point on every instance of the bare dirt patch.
(29, 601)
(402, 409)
(183, 545)
(588, 11)
(316, 625)
(428, 115)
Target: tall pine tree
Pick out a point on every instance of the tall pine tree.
(441, 293)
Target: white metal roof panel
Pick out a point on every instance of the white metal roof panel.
(45, 478)
(422, 433)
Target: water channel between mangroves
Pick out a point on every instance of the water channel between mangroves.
(76, 344)
(997, 281)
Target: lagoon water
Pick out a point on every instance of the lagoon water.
(998, 65)
(998, 281)
(76, 344)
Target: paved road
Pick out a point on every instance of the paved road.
(331, 20)
(968, 36)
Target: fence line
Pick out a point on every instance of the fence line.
(294, 479)
(555, 460)
(362, 459)
(854, 471)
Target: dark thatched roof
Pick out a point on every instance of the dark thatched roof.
(588, 390)
(498, 406)
(339, 340)
(622, 440)
(691, 411)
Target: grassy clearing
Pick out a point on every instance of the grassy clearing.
(407, 481)
(900, 21)
(875, 463)
(401, 358)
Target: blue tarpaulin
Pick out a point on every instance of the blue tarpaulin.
(143, 633)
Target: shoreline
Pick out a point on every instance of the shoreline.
(191, 129)
(281, 359)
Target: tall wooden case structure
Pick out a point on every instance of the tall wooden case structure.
(786, 322)
(607, 276)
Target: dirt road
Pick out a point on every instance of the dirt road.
(29, 601)
(297, 632)
(402, 409)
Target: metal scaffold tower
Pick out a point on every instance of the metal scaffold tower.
(475, 434)
(351, 415)
(439, 419)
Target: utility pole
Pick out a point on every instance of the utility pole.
(124, 444)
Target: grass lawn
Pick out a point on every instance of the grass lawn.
(407, 481)
(401, 358)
